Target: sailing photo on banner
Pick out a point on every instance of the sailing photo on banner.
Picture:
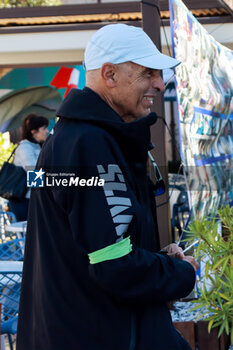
(204, 85)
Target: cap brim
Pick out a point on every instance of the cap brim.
(159, 61)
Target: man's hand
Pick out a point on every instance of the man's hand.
(192, 261)
(175, 251)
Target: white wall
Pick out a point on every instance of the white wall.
(56, 47)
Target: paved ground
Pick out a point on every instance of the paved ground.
(7, 346)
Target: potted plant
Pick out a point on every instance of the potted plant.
(216, 286)
(6, 147)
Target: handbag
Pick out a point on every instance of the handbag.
(13, 183)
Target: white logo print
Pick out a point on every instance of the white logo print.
(114, 181)
(35, 178)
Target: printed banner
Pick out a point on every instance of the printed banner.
(204, 84)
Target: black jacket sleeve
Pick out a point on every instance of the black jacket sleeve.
(140, 276)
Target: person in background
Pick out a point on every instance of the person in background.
(34, 133)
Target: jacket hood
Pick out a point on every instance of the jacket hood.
(87, 106)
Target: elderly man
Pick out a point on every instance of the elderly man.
(94, 276)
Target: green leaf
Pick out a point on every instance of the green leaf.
(227, 327)
(219, 300)
(6, 148)
(217, 324)
(232, 335)
(221, 329)
(196, 307)
(220, 261)
(224, 297)
(225, 265)
(27, 3)
(210, 325)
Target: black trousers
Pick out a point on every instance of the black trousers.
(19, 208)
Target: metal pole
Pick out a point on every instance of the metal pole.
(151, 25)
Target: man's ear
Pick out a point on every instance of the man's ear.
(109, 74)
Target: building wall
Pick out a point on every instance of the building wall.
(68, 46)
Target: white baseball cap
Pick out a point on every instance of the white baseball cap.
(118, 43)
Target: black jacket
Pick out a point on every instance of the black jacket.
(67, 301)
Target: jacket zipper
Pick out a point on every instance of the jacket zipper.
(133, 332)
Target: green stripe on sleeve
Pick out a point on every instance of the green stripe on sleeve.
(111, 252)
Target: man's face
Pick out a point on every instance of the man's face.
(136, 89)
